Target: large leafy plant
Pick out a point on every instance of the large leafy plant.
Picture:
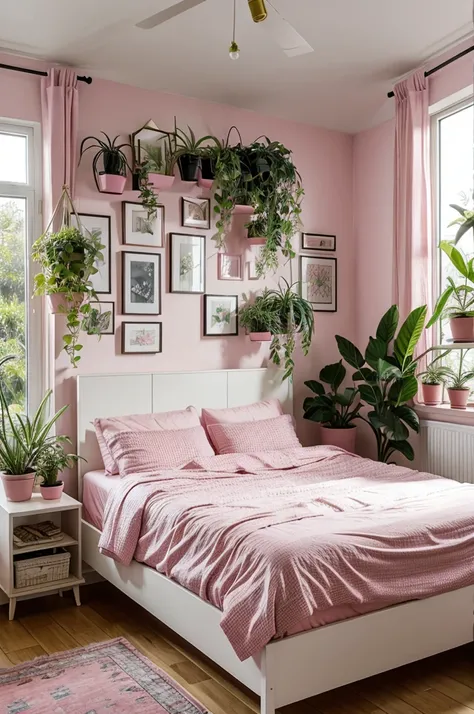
(332, 408)
(455, 300)
(386, 379)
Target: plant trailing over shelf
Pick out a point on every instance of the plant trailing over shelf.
(68, 259)
(260, 315)
(148, 196)
(231, 175)
(114, 163)
(386, 377)
(334, 409)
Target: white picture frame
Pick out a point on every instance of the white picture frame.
(221, 315)
(318, 281)
(141, 283)
(90, 222)
(97, 314)
(187, 263)
(140, 230)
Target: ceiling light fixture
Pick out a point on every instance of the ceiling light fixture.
(258, 10)
(234, 49)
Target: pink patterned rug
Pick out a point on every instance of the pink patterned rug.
(108, 677)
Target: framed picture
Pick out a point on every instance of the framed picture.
(141, 338)
(101, 281)
(255, 251)
(141, 283)
(101, 319)
(139, 229)
(229, 267)
(319, 282)
(187, 263)
(220, 315)
(196, 213)
(318, 241)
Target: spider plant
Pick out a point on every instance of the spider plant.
(114, 160)
(260, 315)
(188, 152)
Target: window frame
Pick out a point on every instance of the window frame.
(36, 337)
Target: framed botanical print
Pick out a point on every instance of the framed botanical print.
(318, 241)
(196, 213)
(101, 281)
(141, 338)
(220, 315)
(187, 263)
(141, 283)
(319, 282)
(101, 319)
(229, 267)
(138, 228)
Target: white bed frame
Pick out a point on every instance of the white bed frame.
(286, 670)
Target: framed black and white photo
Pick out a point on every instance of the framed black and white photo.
(101, 319)
(196, 213)
(101, 281)
(319, 282)
(318, 241)
(138, 228)
(220, 315)
(187, 263)
(141, 283)
(141, 338)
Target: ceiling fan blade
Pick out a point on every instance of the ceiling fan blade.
(160, 17)
(284, 34)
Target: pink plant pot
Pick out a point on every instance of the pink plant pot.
(52, 493)
(462, 329)
(112, 183)
(257, 241)
(59, 304)
(459, 398)
(18, 488)
(344, 438)
(260, 336)
(160, 181)
(244, 210)
(432, 394)
(205, 182)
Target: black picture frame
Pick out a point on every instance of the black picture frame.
(108, 245)
(99, 304)
(322, 258)
(206, 332)
(160, 207)
(322, 236)
(153, 256)
(190, 225)
(139, 352)
(172, 245)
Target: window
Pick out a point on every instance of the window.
(453, 133)
(20, 315)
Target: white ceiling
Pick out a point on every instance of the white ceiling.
(360, 47)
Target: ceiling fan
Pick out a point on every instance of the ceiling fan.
(290, 41)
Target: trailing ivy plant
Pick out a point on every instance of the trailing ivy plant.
(387, 381)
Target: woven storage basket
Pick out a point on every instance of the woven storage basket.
(38, 571)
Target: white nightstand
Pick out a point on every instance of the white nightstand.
(65, 513)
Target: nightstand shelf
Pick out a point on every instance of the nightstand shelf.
(65, 513)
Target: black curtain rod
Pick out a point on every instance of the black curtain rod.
(442, 65)
(87, 80)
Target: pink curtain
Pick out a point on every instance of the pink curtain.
(60, 109)
(413, 237)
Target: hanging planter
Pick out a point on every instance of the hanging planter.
(58, 302)
(113, 175)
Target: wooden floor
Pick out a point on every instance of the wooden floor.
(440, 685)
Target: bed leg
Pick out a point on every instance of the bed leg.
(267, 694)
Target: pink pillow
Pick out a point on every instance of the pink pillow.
(142, 451)
(107, 428)
(249, 412)
(254, 436)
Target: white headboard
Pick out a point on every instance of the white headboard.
(108, 395)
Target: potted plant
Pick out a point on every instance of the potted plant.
(433, 380)
(49, 464)
(257, 230)
(295, 317)
(113, 176)
(188, 152)
(386, 380)
(259, 318)
(159, 164)
(23, 440)
(456, 303)
(465, 220)
(335, 411)
(457, 381)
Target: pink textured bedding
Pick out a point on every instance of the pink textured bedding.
(272, 539)
(96, 486)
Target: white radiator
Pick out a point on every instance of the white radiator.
(447, 450)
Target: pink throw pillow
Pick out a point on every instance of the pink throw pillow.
(143, 451)
(268, 409)
(254, 436)
(107, 428)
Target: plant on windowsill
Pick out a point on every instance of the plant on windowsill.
(50, 462)
(113, 176)
(23, 440)
(456, 303)
(457, 383)
(433, 380)
(335, 411)
(386, 380)
(259, 318)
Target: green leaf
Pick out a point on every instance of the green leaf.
(392, 425)
(333, 374)
(388, 325)
(408, 390)
(404, 447)
(365, 374)
(67, 339)
(315, 387)
(409, 334)
(409, 416)
(440, 305)
(370, 394)
(376, 349)
(349, 352)
(455, 257)
(387, 371)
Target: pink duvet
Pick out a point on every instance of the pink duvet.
(273, 538)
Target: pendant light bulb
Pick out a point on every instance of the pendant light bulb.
(234, 51)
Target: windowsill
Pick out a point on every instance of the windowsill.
(443, 412)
